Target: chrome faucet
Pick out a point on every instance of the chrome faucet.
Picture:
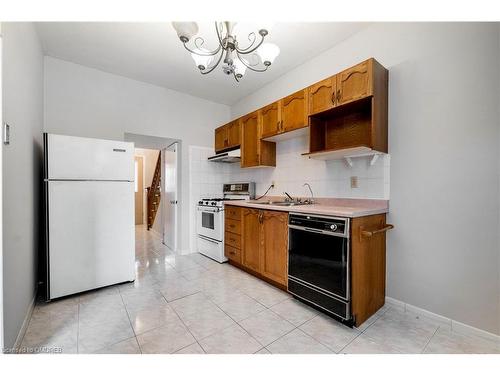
(312, 195)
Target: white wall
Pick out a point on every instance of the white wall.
(86, 102)
(443, 255)
(22, 171)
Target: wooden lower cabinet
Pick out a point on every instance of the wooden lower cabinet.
(260, 246)
(232, 253)
(367, 265)
(263, 244)
(250, 238)
(274, 246)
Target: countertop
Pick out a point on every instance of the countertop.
(323, 206)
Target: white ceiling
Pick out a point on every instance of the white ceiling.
(151, 52)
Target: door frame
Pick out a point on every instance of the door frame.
(144, 195)
(177, 188)
(1, 201)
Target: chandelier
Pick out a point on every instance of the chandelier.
(255, 55)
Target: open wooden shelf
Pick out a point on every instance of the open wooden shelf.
(343, 153)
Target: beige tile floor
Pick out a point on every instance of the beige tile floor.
(193, 305)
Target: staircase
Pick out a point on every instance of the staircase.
(154, 193)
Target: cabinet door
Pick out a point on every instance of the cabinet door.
(250, 140)
(322, 95)
(233, 134)
(354, 83)
(274, 246)
(250, 238)
(294, 111)
(220, 138)
(368, 264)
(270, 118)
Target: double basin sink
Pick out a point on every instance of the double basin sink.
(282, 203)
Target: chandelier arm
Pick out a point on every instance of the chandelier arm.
(212, 53)
(252, 38)
(249, 66)
(236, 78)
(249, 49)
(213, 66)
(219, 37)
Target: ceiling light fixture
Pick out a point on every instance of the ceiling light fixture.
(257, 56)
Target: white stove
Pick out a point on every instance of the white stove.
(210, 219)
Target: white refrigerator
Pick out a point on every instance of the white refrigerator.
(89, 214)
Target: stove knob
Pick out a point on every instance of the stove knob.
(333, 227)
(213, 203)
(200, 202)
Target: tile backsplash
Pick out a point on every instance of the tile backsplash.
(328, 178)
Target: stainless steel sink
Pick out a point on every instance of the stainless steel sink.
(281, 203)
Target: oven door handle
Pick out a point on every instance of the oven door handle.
(208, 239)
(209, 209)
(306, 229)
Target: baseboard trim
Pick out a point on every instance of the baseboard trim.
(454, 325)
(24, 327)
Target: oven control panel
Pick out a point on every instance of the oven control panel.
(323, 224)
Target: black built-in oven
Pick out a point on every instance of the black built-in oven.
(318, 262)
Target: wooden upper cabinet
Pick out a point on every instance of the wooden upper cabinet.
(270, 119)
(250, 238)
(227, 136)
(355, 83)
(220, 138)
(274, 246)
(294, 111)
(250, 140)
(322, 95)
(233, 134)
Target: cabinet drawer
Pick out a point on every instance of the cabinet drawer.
(232, 212)
(232, 253)
(233, 240)
(233, 226)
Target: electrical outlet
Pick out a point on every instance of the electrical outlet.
(354, 182)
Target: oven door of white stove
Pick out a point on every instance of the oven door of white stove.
(212, 249)
(210, 223)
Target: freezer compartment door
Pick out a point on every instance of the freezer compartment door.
(91, 235)
(76, 158)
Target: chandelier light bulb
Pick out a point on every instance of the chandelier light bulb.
(185, 30)
(268, 53)
(202, 62)
(239, 68)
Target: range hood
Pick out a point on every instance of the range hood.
(227, 157)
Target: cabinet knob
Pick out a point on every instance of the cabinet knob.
(333, 97)
(338, 95)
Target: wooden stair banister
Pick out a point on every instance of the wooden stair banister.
(154, 193)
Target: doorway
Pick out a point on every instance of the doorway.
(168, 208)
(148, 186)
